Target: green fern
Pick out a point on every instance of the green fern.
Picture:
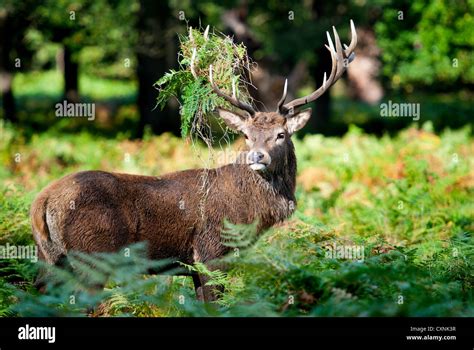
(239, 236)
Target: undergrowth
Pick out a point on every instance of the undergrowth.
(405, 202)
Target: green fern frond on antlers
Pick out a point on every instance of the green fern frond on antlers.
(190, 83)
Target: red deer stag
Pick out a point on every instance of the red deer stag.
(113, 210)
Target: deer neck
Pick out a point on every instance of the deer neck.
(282, 180)
(284, 175)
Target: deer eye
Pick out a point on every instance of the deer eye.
(246, 137)
(280, 136)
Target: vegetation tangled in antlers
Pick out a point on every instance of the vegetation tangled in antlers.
(190, 83)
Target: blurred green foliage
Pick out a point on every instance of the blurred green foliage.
(427, 43)
(425, 52)
(107, 24)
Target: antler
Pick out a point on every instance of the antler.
(340, 60)
(231, 99)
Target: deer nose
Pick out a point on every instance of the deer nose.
(256, 156)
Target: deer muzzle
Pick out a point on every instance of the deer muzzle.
(258, 160)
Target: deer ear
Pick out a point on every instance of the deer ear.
(233, 120)
(296, 121)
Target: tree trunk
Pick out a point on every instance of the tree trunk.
(319, 122)
(8, 101)
(152, 63)
(71, 75)
(6, 74)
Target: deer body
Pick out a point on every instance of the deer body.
(95, 211)
(180, 215)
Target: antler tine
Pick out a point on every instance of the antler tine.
(339, 65)
(231, 99)
(350, 49)
(193, 60)
(326, 83)
(283, 97)
(340, 55)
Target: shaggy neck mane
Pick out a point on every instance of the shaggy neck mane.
(283, 177)
(280, 182)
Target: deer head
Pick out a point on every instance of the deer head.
(268, 134)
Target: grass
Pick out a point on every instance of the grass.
(404, 200)
(50, 84)
(37, 93)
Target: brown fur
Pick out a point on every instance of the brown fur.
(180, 214)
